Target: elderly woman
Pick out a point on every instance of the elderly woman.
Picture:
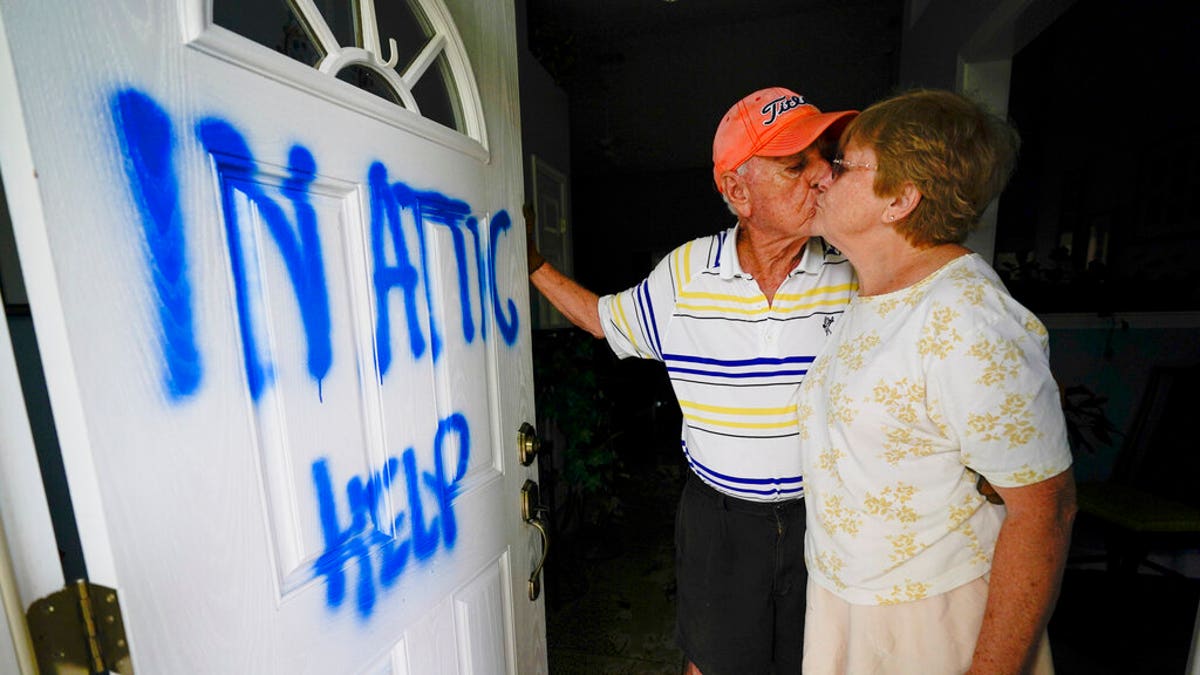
(933, 378)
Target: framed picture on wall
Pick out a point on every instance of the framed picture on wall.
(551, 202)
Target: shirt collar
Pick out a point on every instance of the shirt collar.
(813, 257)
(810, 260)
(730, 267)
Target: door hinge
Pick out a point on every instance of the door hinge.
(79, 627)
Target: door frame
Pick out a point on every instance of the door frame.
(26, 533)
(27, 539)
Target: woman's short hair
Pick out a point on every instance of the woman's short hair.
(957, 154)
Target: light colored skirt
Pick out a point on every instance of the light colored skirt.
(930, 636)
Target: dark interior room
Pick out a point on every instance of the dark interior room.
(1093, 234)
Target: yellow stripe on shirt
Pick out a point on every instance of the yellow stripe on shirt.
(625, 325)
(721, 297)
(725, 410)
(678, 274)
(685, 254)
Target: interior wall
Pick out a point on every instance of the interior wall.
(644, 109)
(968, 47)
(546, 135)
(633, 220)
(651, 102)
(545, 117)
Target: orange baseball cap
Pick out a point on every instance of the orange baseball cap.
(771, 122)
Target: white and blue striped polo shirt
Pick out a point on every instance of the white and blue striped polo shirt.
(734, 361)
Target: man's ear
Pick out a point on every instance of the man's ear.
(903, 203)
(734, 187)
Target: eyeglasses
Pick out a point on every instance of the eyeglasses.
(841, 166)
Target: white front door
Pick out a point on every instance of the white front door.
(281, 303)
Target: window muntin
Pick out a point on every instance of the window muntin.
(389, 48)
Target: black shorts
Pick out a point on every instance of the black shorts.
(741, 580)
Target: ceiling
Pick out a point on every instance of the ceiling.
(648, 80)
(625, 18)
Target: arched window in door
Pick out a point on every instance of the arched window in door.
(406, 52)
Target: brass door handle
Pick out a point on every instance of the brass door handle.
(528, 443)
(534, 513)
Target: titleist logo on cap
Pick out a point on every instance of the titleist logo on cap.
(773, 109)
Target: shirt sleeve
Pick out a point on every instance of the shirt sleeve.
(636, 319)
(1001, 401)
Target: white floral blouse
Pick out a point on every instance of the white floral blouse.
(916, 392)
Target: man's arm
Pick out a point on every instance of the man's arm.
(1027, 568)
(578, 304)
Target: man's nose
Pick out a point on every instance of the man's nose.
(824, 179)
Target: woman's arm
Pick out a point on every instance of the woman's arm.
(1027, 568)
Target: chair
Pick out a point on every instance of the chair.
(1152, 499)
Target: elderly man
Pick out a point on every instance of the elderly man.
(737, 317)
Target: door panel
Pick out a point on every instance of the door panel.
(290, 340)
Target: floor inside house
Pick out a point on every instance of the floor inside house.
(610, 596)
